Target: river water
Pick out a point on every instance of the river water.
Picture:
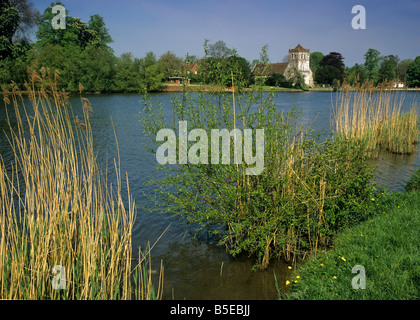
(194, 267)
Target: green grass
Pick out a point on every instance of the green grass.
(387, 246)
(414, 182)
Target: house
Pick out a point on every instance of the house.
(191, 67)
(179, 80)
(298, 61)
(399, 85)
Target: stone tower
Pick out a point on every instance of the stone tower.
(299, 62)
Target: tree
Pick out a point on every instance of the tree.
(314, 60)
(98, 65)
(97, 25)
(331, 67)
(127, 75)
(357, 73)
(413, 73)
(28, 16)
(150, 79)
(241, 70)
(333, 59)
(276, 80)
(388, 68)
(219, 50)
(46, 34)
(169, 65)
(372, 58)
(77, 32)
(327, 75)
(402, 69)
(9, 22)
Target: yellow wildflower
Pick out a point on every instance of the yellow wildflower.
(289, 267)
(342, 258)
(321, 264)
(373, 199)
(295, 281)
(334, 277)
(287, 282)
(297, 277)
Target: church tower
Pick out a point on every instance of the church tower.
(299, 61)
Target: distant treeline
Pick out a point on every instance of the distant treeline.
(82, 54)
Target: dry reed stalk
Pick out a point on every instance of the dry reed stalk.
(374, 115)
(56, 209)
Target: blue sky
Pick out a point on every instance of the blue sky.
(139, 26)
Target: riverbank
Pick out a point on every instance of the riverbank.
(200, 87)
(385, 246)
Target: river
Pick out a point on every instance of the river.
(195, 268)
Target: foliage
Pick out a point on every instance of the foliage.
(372, 58)
(356, 74)
(413, 73)
(218, 50)
(28, 16)
(331, 69)
(169, 65)
(314, 60)
(101, 35)
(9, 22)
(414, 183)
(278, 80)
(150, 77)
(307, 191)
(388, 68)
(127, 73)
(327, 75)
(402, 69)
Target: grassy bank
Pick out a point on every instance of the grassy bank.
(387, 246)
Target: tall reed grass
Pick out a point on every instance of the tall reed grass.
(374, 115)
(56, 208)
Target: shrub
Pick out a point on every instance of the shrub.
(307, 191)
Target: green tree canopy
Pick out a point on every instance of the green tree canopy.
(413, 73)
(372, 58)
(402, 69)
(169, 65)
(76, 33)
(357, 73)
(9, 22)
(101, 34)
(388, 68)
(331, 67)
(28, 16)
(218, 50)
(314, 60)
(327, 74)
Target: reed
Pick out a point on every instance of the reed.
(374, 115)
(56, 209)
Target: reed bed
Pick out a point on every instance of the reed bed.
(56, 209)
(374, 115)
